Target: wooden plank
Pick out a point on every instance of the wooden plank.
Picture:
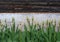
(29, 7)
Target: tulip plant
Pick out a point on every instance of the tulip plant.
(33, 32)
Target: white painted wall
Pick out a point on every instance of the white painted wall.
(22, 16)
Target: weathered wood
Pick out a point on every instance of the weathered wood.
(29, 6)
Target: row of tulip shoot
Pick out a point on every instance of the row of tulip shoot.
(47, 31)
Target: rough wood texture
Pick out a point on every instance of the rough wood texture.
(30, 6)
